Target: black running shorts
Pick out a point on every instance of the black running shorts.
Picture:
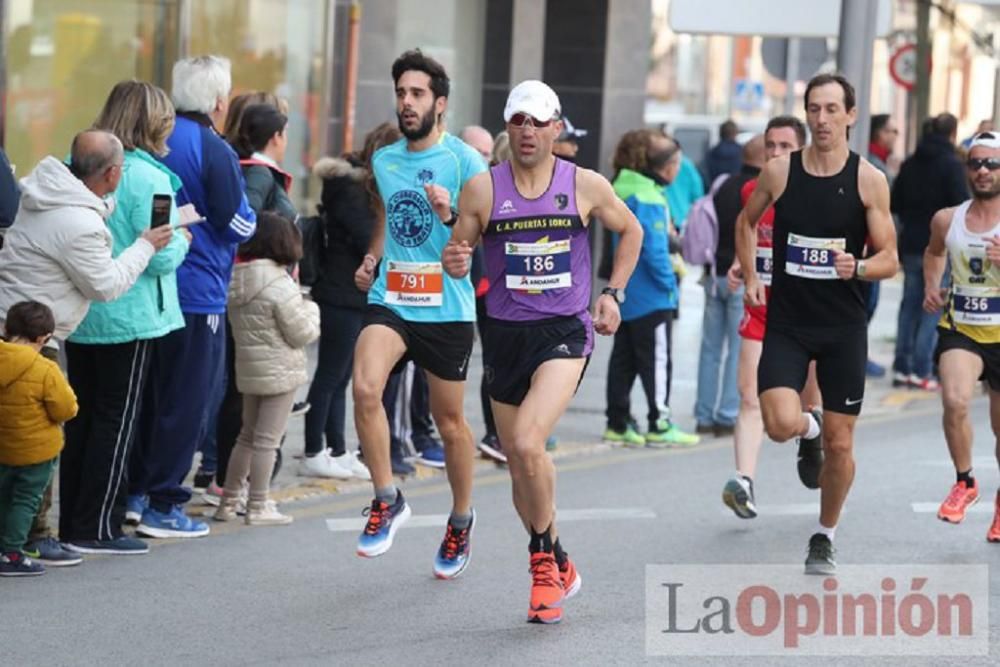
(441, 349)
(513, 351)
(988, 352)
(841, 355)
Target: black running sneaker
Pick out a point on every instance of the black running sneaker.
(811, 454)
(820, 558)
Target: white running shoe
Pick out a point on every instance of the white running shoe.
(323, 465)
(265, 514)
(350, 461)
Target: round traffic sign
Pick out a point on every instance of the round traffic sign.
(903, 65)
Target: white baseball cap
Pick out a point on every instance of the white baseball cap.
(986, 140)
(533, 98)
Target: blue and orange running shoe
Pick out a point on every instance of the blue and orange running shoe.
(383, 522)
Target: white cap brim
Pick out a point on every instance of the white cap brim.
(534, 98)
(986, 140)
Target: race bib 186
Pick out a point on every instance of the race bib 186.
(977, 306)
(765, 260)
(538, 266)
(414, 283)
(809, 257)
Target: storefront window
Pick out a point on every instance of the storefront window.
(63, 57)
(276, 46)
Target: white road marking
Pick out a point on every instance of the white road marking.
(944, 462)
(932, 508)
(439, 520)
(791, 509)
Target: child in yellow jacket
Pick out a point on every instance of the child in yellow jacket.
(35, 400)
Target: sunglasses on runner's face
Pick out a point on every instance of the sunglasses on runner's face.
(977, 163)
(522, 119)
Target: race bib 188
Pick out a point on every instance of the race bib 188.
(414, 283)
(808, 257)
(538, 266)
(977, 306)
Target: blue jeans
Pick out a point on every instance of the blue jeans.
(916, 333)
(719, 335)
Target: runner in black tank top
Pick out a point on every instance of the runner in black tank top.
(817, 207)
(827, 202)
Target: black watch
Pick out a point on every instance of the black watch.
(615, 293)
(450, 222)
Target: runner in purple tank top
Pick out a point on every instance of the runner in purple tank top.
(532, 214)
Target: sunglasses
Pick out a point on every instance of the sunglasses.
(977, 163)
(523, 119)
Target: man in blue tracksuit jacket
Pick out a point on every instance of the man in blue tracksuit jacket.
(645, 161)
(189, 364)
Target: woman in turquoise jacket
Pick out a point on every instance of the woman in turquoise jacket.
(108, 355)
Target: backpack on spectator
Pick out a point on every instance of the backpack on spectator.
(701, 232)
(314, 245)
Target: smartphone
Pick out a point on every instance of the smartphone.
(161, 210)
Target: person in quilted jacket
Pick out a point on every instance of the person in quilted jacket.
(272, 324)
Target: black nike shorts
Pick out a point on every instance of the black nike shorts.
(988, 352)
(442, 349)
(840, 353)
(513, 351)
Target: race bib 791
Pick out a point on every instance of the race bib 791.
(414, 283)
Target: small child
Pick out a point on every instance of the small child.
(271, 325)
(35, 400)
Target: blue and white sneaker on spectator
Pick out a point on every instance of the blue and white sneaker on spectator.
(432, 457)
(51, 552)
(174, 523)
(383, 522)
(134, 507)
(455, 552)
(16, 564)
(123, 546)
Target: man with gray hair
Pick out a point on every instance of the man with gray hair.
(59, 252)
(188, 366)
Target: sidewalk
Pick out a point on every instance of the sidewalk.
(579, 432)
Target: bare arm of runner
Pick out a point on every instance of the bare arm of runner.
(772, 176)
(473, 212)
(874, 191)
(935, 259)
(595, 190)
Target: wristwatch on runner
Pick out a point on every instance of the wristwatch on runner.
(450, 222)
(859, 269)
(615, 293)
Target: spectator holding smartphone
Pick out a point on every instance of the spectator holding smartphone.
(108, 353)
(59, 252)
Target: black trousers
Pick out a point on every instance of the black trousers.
(109, 381)
(339, 328)
(230, 419)
(641, 347)
(484, 395)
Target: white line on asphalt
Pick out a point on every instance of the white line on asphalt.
(932, 508)
(439, 520)
(791, 509)
(977, 462)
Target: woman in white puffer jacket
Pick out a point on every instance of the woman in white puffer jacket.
(272, 324)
